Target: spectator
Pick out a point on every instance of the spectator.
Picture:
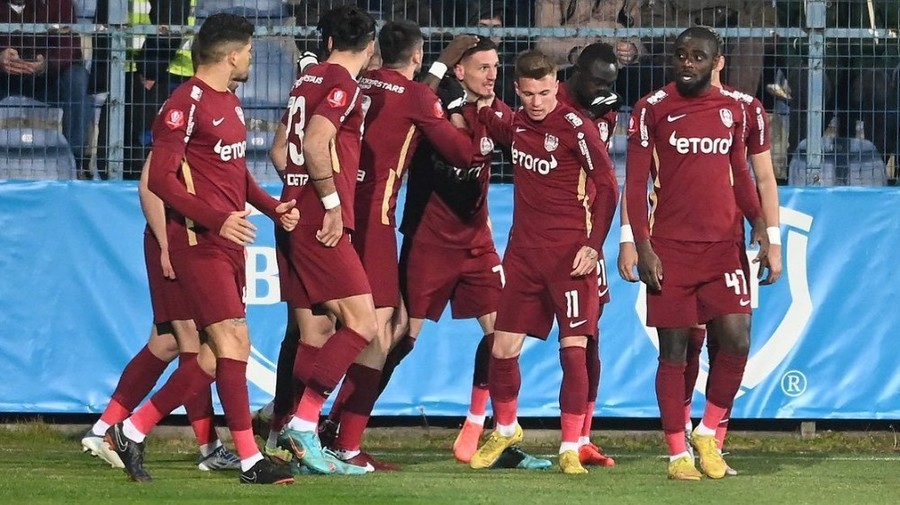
(861, 76)
(639, 72)
(493, 14)
(47, 66)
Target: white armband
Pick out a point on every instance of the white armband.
(331, 201)
(774, 234)
(626, 234)
(438, 70)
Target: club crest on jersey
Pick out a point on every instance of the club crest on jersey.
(337, 98)
(175, 119)
(487, 145)
(551, 142)
(727, 118)
(240, 113)
(604, 130)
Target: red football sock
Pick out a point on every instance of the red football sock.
(334, 358)
(199, 409)
(304, 366)
(588, 419)
(362, 384)
(310, 406)
(504, 384)
(670, 396)
(187, 381)
(722, 430)
(692, 369)
(724, 381)
(394, 357)
(136, 382)
(573, 392)
(231, 381)
(479, 399)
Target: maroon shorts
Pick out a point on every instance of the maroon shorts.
(324, 273)
(602, 280)
(539, 287)
(292, 291)
(214, 281)
(431, 275)
(376, 245)
(166, 295)
(701, 281)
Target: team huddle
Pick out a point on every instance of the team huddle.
(357, 301)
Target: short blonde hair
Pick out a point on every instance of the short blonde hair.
(534, 64)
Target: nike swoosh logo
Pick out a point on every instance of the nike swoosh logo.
(672, 119)
(520, 130)
(573, 324)
(217, 122)
(369, 467)
(602, 293)
(744, 302)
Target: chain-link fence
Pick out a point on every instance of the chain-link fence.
(80, 82)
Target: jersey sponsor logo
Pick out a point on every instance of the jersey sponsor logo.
(670, 118)
(438, 110)
(573, 119)
(240, 114)
(771, 347)
(369, 83)
(533, 163)
(645, 133)
(228, 152)
(337, 98)
(583, 147)
(174, 119)
(520, 130)
(727, 117)
(551, 142)
(486, 145)
(190, 123)
(632, 128)
(657, 97)
(296, 179)
(603, 127)
(196, 93)
(701, 145)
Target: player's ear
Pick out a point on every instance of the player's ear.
(458, 71)
(720, 63)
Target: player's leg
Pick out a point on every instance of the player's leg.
(673, 343)
(359, 392)
(573, 394)
(505, 380)
(691, 371)
(466, 442)
(731, 332)
(135, 383)
(712, 348)
(588, 452)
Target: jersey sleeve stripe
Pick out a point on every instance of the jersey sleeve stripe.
(189, 185)
(393, 174)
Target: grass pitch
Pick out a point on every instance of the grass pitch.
(40, 464)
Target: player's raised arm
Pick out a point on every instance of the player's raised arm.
(450, 142)
(449, 57)
(499, 129)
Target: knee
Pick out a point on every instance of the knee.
(507, 346)
(366, 325)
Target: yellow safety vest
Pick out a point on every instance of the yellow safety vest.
(181, 65)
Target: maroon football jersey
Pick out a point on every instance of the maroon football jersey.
(756, 130)
(553, 160)
(692, 148)
(400, 112)
(326, 90)
(204, 128)
(439, 224)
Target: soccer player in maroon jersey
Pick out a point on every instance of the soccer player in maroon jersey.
(689, 138)
(588, 91)
(326, 110)
(758, 148)
(401, 112)
(448, 252)
(173, 334)
(197, 168)
(551, 259)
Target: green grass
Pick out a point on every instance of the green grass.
(39, 464)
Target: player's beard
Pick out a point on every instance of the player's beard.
(697, 86)
(241, 78)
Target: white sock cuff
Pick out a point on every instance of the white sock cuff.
(568, 446)
(129, 430)
(507, 430)
(476, 419)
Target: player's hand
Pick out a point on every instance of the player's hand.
(332, 227)
(759, 237)
(774, 263)
(628, 261)
(289, 216)
(452, 94)
(453, 52)
(166, 262)
(650, 269)
(605, 101)
(585, 261)
(238, 229)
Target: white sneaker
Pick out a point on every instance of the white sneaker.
(97, 446)
(220, 459)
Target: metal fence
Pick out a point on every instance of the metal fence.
(827, 71)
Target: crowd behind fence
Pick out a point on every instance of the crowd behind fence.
(80, 81)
